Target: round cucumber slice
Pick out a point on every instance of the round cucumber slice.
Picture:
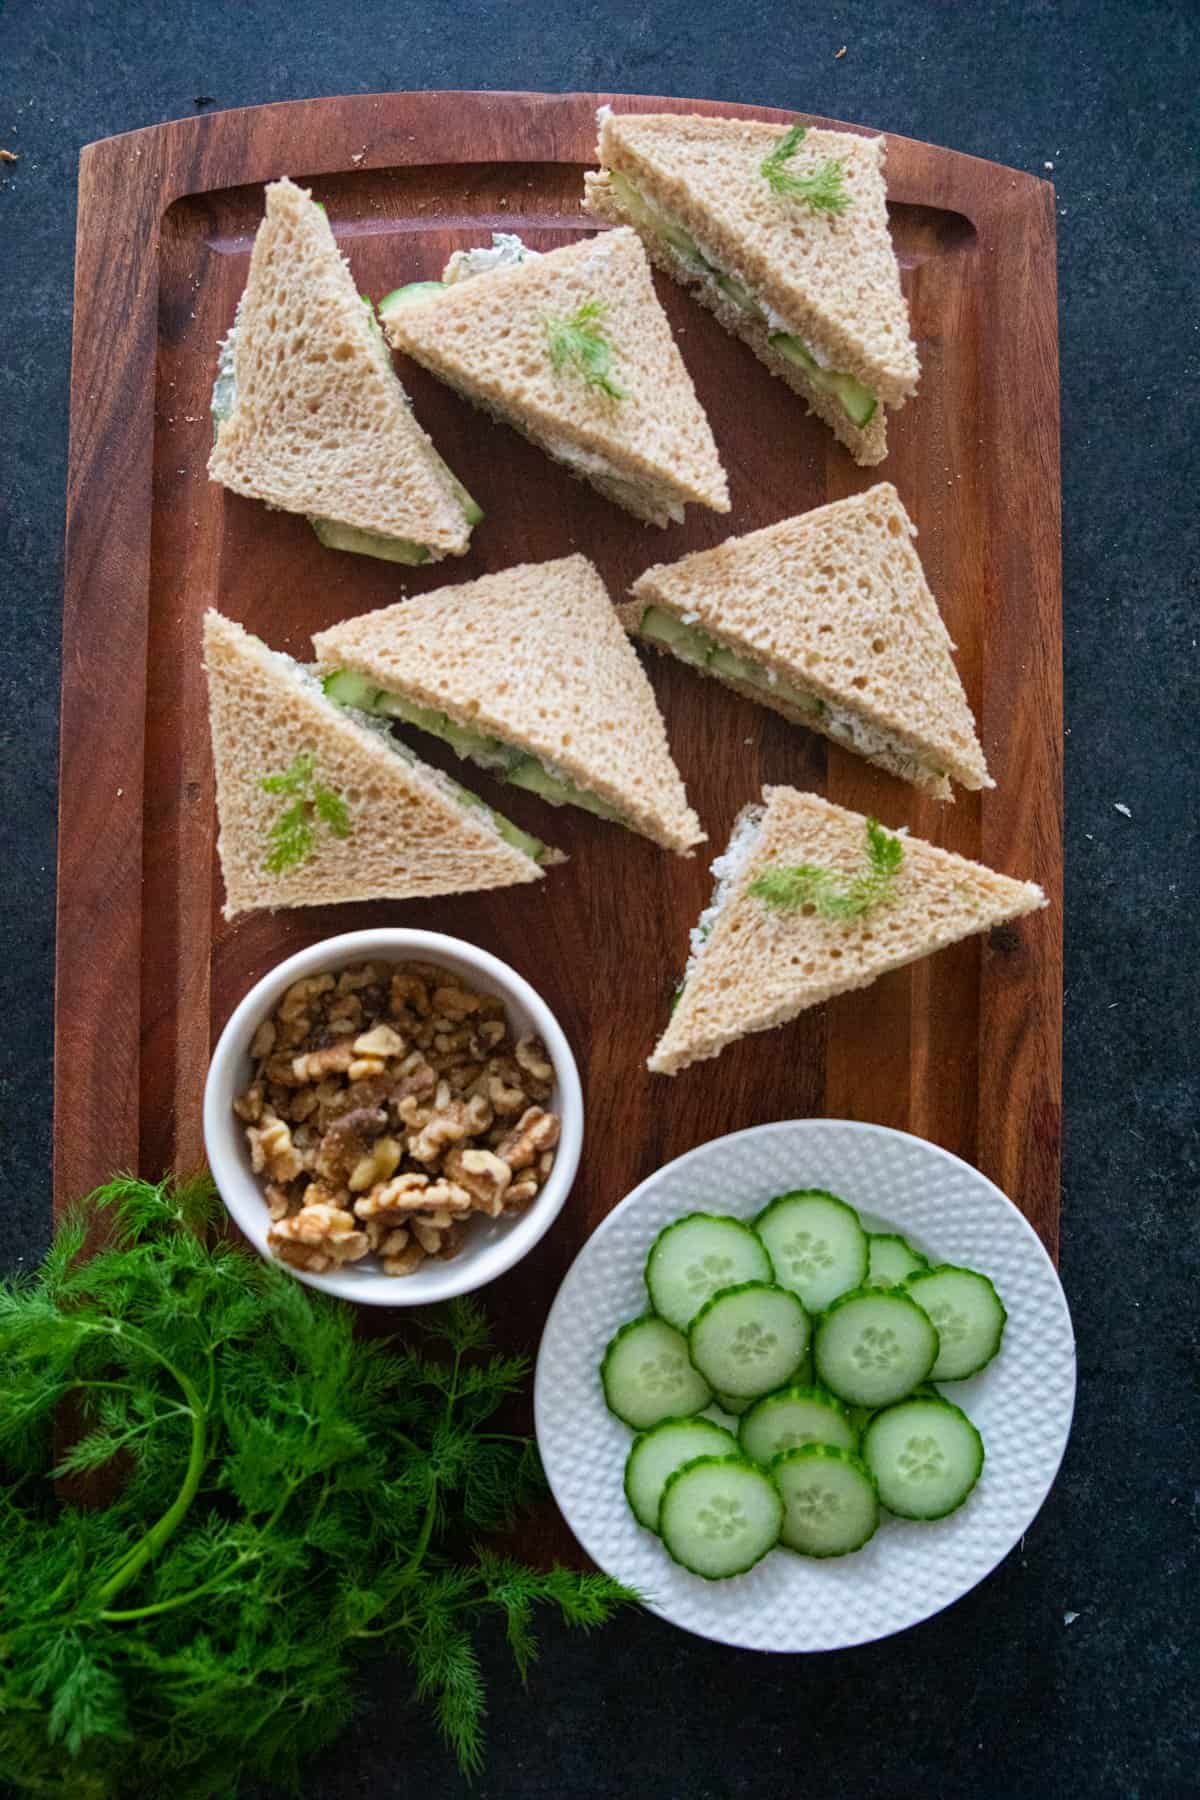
(874, 1346)
(968, 1313)
(791, 1417)
(830, 1502)
(656, 1454)
(891, 1259)
(647, 1376)
(749, 1339)
(695, 1257)
(925, 1455)
(816, 1243)
(719, 1516)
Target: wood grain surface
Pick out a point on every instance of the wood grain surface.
(963, 1048)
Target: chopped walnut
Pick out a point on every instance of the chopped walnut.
(455, 1002)
(348, 1140)
(272, 1150)
(381, 1041)
(382, 1161)
(413, 1193)
(249, 1106)
(328, 1231)
(335, 1059)
(449, 1125)
(521, 1193)
(506, 1100)
(386, 1106)
(531, 1057)
(279, 1201)
(483, 1175)
(534, 1132)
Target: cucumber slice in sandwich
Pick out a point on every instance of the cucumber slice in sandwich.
(336, 536)
(857, 401)
(691, 645)
(415, 293)
(502, 760)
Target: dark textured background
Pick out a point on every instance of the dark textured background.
(1064, 1674)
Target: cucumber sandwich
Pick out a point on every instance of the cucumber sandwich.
(783, 234)
(528, 674)
(572, 349)
(812, 900)
(826, 618)
(317, 803)
(308, 413)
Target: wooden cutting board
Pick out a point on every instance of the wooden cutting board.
(963, 1048)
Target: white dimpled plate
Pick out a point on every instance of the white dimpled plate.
(1022, 1403)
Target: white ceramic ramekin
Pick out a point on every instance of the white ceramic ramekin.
(492, 1245)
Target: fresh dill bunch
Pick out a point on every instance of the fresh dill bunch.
(292, 835)
(577, 341)
(806, 884)
(823, 188)
(273, 1501)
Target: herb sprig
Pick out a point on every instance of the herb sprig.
(293, 834)
(282, 1501)
(807, 884)
(823, 188)
(577, 341)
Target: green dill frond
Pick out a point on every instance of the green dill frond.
(332, 810)
(141, 1209)
(808, 885)
(293, 836)
(577, 342)
(275, 1502)
(295, 779)
(822, 188)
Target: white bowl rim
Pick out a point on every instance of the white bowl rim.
(462, 1274)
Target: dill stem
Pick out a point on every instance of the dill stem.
(160, 1532)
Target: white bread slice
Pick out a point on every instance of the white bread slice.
(321, 424)
(835, 601)
(866, 444)
(408, 836)
(487, 337)
(534, 655)
(761, 966)
(832, 277)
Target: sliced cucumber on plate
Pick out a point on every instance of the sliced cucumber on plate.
(719, 1516)
(824, 1341)
(830, 1501)
(695, 1257)
(648, 1377)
